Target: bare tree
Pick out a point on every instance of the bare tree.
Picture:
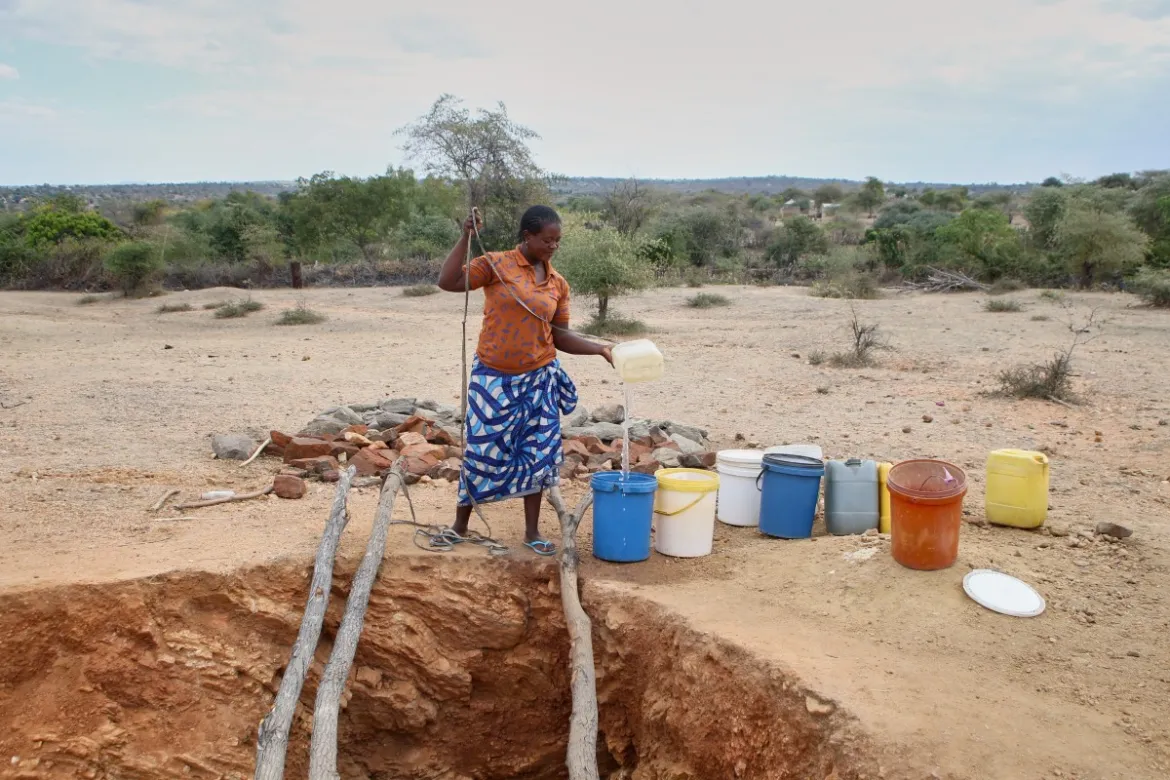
(628, 206)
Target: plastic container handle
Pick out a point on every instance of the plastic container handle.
(853, 462)
(759, 487)
(674, 512)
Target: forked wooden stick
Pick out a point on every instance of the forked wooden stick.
(323, 748)
(256, 454)
(272, 738)
(162, 501)
(581, 756)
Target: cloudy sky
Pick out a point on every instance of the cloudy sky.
(996, 90)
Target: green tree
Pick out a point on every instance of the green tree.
(628, 206)
(1151, 211)
(796, 238)
(1052, 181)
(1096, 243)
(871, 195)
(1044, 210)
(701, 235)
(426, 236)
(49, 225)
(134, 264)
(983, 242)
(601, 262)
(362, 212)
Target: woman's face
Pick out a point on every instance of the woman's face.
(543, 245)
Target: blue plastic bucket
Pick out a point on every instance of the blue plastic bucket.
(623, 512)
(790, 486)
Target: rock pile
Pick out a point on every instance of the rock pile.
(426, 435)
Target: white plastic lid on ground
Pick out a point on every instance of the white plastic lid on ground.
(1003, 593)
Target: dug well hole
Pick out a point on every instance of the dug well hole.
(461, 673)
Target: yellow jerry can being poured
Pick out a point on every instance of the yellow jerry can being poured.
(1017, 488)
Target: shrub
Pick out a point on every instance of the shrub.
(816, 357)
(708, 301)
(134, 264)
(1056, 296)
(1046, 381)
(86, 300)
(301, 315)
(1040, 318)
(170, 308)
(867, 339)
(854, 286)
(1002, 305)
(234, 309)
(1153, 285)
(212, 306)
(614, 325)
(1006, 285)
(420, 291)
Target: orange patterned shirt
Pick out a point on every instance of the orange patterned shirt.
(512, 340)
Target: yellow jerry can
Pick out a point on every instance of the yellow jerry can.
(884, 497)
(1017, 488)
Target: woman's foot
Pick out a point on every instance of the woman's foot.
(541, 547)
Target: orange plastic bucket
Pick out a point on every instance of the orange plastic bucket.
(926, 512)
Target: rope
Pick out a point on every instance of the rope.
(443, 538)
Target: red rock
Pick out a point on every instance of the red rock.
(379, 445)
(359, 429)
(419, 465)
(287, 486)
(409, 439)
(279, 439)
(454, 452)
(575, 447)
(436, 435)
(291, 472)
(436, 451)
(356, 439)
(315, 465)
(572, 466)
(594, 445)
(302, 447)
(658, 438)
(451, 469)
(339, 447)
(649, 466)
(636, 450)
(647, 458)
(614, 459)
(709, 459)
(372, 462)
(413, 424)
(330, 476)
(275, 451)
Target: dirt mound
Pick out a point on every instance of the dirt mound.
(461, 672)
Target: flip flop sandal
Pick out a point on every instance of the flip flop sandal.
(542, 547)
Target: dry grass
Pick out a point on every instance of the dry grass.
(1001, 305)
(867, 339)
(171, 308)
(420, 291)
(301, 315)
(615, 326)
(708, 301)
(1004, 286)
(1049, 380)
(816, 357)
(88, 300)
(235, 309)
(852, 286)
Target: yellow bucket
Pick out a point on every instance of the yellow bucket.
(684, 507)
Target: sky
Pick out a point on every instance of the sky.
(104, 91)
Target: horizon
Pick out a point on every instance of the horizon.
(97, 91)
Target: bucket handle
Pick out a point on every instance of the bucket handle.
(674, 512)
(759, 487)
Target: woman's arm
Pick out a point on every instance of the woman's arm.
(570, 343)
(453, 275)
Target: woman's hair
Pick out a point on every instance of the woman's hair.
(536, 219)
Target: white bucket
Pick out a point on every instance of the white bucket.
(739, 496)
(684, 512)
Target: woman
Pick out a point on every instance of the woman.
(518, 390)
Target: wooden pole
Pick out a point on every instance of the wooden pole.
(272, 739)
(227, 500)
(581, 756)
(323, 748)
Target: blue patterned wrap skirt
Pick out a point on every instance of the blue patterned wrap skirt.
(514, 432)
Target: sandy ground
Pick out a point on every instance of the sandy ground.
(104, 407)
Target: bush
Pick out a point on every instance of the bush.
(1045, 381)
(171, 308)
(301, 315)
(420, 291)
(1040, 318)
(1153, 285)
(87, 300)
(234, 309)
(1002, 305)
(816, 357)
(134, 264)
(1056, 296)
(614, 326)
(1006, 285)
(708, 301)
(853, 286)
(212, 306)
(867, 339)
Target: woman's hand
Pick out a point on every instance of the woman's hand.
(607, 353)
(473, 223)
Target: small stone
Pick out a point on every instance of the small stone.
(966, 407)
(400, 406)
(926, 418)
(286, 486)
(687, 446)
(906, 429)
(1115, 530)
(356, 439)
(324, 424)
(614, 413)
(667, 457)
(1134, 654)
(330, 475)
(579, 418)
(740, 437)
(796, 355)
(232, 446)
(1058, 530)
(691, 432)
(317, 465)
